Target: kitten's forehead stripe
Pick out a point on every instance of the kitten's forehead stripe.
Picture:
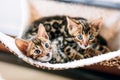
(85, 26)
(36, 41)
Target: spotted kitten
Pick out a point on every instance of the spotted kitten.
(79, 38)
(38, 48)
(86, 35)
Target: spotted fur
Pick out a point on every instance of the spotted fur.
(79, 37)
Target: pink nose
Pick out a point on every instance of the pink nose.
(48, 54)
(85, 45)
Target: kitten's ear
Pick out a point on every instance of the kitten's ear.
(97, 23)
(42, 32)
(71, 25)
(22, 45)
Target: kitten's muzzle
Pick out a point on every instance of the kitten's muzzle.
(48, 54)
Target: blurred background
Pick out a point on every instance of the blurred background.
(10, 16)
(16, 14)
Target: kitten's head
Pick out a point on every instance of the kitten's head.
(38, 48)
(84, 32)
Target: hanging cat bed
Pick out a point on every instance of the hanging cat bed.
(9, 43)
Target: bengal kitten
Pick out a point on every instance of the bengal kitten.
(79, 38)
(38, 48)
(41, 49)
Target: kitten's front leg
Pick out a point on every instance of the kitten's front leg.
(104, 49)
(72, 54)
(91, 52)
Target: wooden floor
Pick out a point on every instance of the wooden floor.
(15, 72)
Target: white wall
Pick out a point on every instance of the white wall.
(10, 16)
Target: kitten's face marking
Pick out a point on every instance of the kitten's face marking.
(40, 49)
(84, 33)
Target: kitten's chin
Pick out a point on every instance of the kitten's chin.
(83, 47)
(45, 58)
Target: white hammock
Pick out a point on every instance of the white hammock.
(9, 43)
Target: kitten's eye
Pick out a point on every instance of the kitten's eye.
(80, 37)
(46, 45)
(91, 37)
(37, 51)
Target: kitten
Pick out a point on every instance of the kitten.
(41, 49)
(38, 48)
(86, 35)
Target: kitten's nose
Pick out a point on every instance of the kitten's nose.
(85, 45)
(48, 54)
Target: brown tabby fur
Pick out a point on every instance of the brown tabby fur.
(70, 30)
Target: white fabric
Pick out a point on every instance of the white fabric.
(10, 43)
